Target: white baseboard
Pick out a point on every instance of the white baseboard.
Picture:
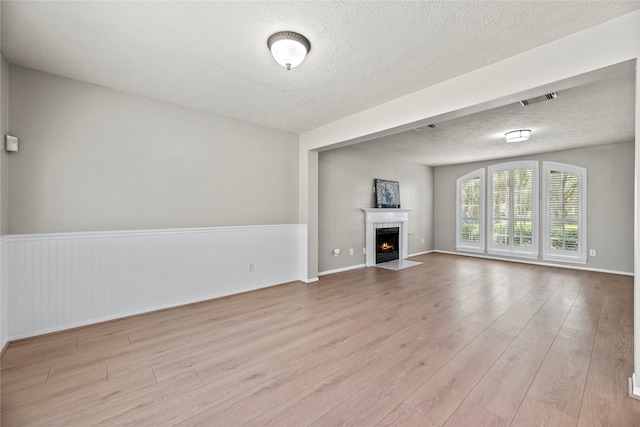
(340, 270)
(312, 280)
(420, 253)
(546, 264)
(123, 315)
(634, 387)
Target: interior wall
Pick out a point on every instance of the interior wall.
(4, 156)
(4, 182)
(610, 199)
(96, 159)
(345, 182)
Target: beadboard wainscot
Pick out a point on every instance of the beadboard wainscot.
(59, 281)
(4, 293)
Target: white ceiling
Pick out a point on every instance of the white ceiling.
(212, 56)
(598, 113)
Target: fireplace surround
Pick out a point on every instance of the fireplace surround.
(385, 218)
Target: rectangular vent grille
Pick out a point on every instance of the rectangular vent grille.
(420, 129)
(537, 99)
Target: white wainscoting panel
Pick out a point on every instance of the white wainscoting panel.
(4, 293)
(63, 280)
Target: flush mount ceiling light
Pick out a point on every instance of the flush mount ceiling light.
(288, 48)
(517, 135)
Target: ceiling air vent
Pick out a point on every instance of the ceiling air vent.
(545, 97)
(420, 129)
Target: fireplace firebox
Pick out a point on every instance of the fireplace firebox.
(387, 244)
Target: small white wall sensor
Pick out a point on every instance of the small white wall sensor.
(336, 252)
(11, 143)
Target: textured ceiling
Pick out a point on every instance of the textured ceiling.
(598, 113)
(212, 56)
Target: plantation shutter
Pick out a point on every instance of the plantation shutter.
(523, 207)
(565, 207)
(470, 212)
(564, 210)
(470, 230)
(501, 208)
(513, 213)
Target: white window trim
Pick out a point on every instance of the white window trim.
(549, 254)
(466, 246)
(510, 250)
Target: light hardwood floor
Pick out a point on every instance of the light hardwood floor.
(456, 341)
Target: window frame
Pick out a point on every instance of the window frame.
(511, 250)
(467, 246)
(548, 253)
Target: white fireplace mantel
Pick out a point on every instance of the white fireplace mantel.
(382, 218)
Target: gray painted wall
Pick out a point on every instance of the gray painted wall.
(610, 176)
(4, 156)
(4, 129)
(345, 178)
(93, 158)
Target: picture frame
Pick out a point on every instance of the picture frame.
(387, 194)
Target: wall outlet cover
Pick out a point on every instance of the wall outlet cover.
(11, 143)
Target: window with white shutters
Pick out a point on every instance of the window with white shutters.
(565, 201)
(470, 228)
(513, 211)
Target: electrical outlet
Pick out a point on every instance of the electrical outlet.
(11, 143)
(423, 241)
(592, 252)
(364, 251)
(351, 251)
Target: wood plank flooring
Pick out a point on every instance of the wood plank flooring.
(456, 341)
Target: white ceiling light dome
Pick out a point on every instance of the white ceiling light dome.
(517, 135)
(288, 48)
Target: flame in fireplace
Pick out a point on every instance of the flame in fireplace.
(386, 247)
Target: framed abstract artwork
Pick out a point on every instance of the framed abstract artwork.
(387, 193)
